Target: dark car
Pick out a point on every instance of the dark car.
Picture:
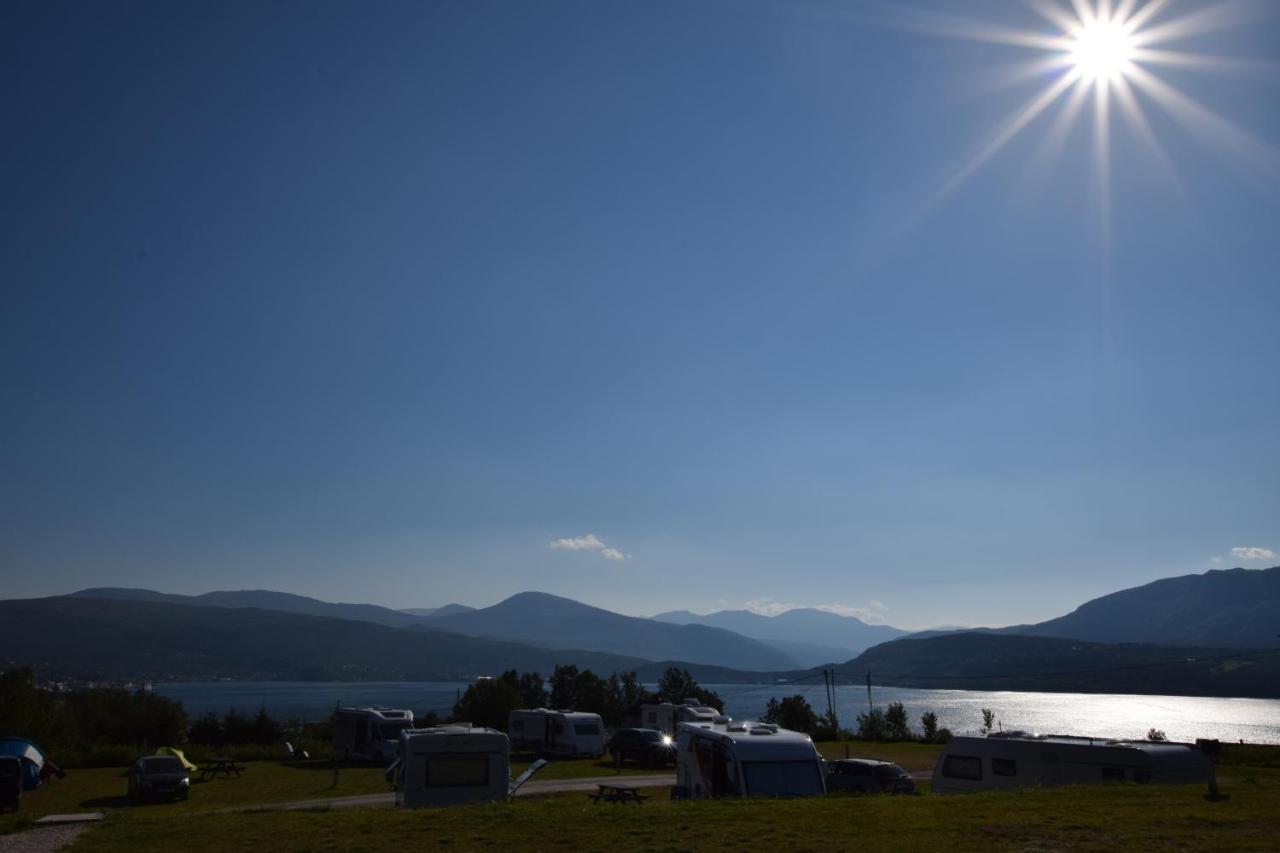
(10, 782)
(646, 746)
(864, 774)
(158, 777)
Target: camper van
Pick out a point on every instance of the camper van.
(665, 717)
(449, 765)
(560, 733)
(746, 759)
(369, 734)
(1021, 760)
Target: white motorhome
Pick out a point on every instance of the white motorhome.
(449, 765)
(1020, 760)
(746, 759)
(560, 733)
(369, 734)
(666, 717)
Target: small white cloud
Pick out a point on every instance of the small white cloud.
(873, 613)
(768, 607)
(1217, 561)
(1250, 552)
(579, 543)
(589, 542)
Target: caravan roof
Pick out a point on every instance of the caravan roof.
(752, 739)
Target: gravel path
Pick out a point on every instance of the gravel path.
(46, 839)
(546, 786)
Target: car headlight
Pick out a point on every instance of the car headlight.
(184, 781)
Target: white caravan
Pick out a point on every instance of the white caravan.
(370, 734)
(449, 765)
(746, 759)
(1020, 760)
(560, 733)
(666, 717)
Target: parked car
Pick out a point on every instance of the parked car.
(646, 746)
(864, 774)
(158, 776)
(10, 782)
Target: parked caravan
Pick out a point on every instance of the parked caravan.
(449, 765)
(560, 733)
(1020, 760)
(369, 734)
(746, 758)
(666, 717)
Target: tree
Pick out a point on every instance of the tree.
(677, 685)
(532, 689)
(895, 722)
(929, 725)
(488, 702)
(988, 720)
(1156, 735)
(793, 712)
(871, 725)
(579, 690)
(625, 694)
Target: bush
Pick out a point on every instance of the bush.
(871, 725)
(929, 727)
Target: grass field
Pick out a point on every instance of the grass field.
(1100, 817)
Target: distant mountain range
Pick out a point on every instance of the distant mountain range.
(542, 619)
(1128, 641)
(263, 599)
(436, 612)
(812, 636)
(977, 661)
(118, 639)
(1230, 608)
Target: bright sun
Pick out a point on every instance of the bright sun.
(1101, 50)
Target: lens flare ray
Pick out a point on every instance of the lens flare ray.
(1108, 49)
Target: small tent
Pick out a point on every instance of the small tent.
(32, 758)
(177, 753)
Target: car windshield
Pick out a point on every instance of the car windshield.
(162, 764)
(649, 735)
(892, 771)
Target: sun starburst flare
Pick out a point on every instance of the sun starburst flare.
(1110, 53)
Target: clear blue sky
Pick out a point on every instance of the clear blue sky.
(374, 302)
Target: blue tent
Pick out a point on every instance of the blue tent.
(32, 759)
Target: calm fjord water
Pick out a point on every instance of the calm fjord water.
(1097, 714)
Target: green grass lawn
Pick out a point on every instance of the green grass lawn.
(1095, 817)
(263, 783)
(1099, 817)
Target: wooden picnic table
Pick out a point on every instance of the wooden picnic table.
(225, 766)
(612, 792)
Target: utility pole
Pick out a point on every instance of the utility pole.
(870, 707)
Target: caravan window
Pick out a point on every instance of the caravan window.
(586, 729)
(1004, 767)
(457, 771)
(963, 767)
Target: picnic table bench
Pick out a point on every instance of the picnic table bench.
(225, 766)
(614, 793)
